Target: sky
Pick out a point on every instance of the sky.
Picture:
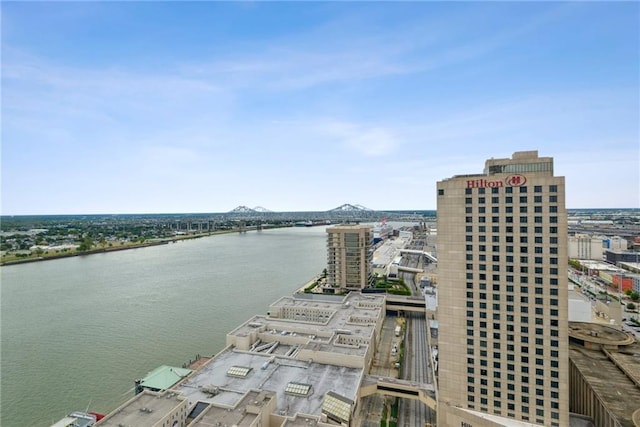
(195, 107)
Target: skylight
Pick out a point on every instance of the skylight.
(238, 371)
(298, 389)
(337, 407)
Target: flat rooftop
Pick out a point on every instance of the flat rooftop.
(599, 334)
(269, 373)
(145, 409)
(616, 390)
(236, 416)
(318, 324)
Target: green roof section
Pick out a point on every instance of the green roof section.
(164, 377)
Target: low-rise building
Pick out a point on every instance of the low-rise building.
(604, 375)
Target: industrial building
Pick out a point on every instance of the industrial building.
(502, 289)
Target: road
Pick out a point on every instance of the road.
(417, 361)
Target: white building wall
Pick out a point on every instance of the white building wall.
(583, 246)
(579, 311)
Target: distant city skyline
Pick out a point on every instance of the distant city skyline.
(171, 107)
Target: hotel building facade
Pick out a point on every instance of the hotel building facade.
(502, 309)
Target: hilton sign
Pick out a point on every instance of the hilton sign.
(510, 181)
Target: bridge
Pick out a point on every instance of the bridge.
(410, 269)
(419, 252)
(387, 386)
(406, 304)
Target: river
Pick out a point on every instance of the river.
(76, 332)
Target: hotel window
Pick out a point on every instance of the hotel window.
(537, 219)
(508, 199)
(537, 209)
(553, 209)
(508, 190)
(468, 200)
(440, 192)
(467, 191)
(553, 199)
(537, 199)
(480, 190)
(537, 189)
(553, 219)
(495, 190)
(495, 199)
(553, 188)
(523, 199)
(481, 199)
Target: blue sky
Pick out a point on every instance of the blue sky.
(151, 107)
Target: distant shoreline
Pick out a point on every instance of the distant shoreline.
(162, 241)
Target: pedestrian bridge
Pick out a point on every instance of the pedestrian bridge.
(404, 303)
(418, 252)
(388, 386)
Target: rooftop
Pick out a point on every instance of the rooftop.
(163, 377)
(270, 373)
(615, 389)
(144, 409)
(598, 333)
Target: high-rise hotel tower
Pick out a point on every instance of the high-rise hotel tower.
(502, 295)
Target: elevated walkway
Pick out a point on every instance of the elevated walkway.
(404, 303)
(387, 386)
(410, 269)
(418, 252)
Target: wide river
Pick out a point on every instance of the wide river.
(76, 332)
